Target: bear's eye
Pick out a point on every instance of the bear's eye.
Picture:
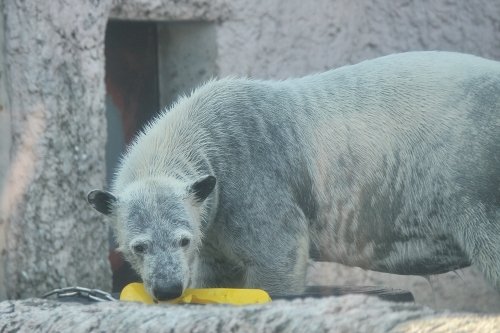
(139, 249)
(184, 242)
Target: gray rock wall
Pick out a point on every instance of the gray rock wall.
(54, 65)
(278, 39)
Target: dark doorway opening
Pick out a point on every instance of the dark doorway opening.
(148, 66)
(132, 99)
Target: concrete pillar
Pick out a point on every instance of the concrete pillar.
(54, 62)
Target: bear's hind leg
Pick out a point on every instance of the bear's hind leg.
(285, 274)
(277, 261)
(479, 237)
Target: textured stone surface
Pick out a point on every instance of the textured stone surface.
(346, 314)
(170, 10)
(278, 39)
(461, 323)
(54, 64)
(333, 314)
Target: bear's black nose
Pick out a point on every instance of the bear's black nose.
(168, 292)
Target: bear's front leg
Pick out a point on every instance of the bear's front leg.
(216, 272)
(282, 273)
(278, 256)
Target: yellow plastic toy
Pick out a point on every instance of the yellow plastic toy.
(135, 292)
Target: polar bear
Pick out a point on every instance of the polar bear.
(392, 165)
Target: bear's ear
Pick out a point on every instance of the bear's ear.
(201, 188)
(102, 201)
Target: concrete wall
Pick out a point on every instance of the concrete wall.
(54, 77)
(55, 84)
(278, 39)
